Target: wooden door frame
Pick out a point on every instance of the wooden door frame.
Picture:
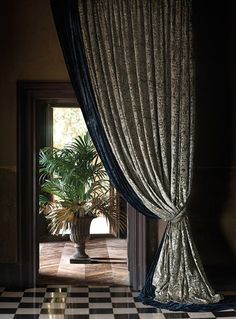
(29, 96)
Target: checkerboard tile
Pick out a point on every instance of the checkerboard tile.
(91, 302)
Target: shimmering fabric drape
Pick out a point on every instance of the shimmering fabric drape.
(67, 22)
(139, 54)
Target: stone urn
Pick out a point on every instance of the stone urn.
(79, 235)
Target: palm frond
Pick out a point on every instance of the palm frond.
(76, 176)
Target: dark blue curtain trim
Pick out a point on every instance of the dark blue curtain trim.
(228, 302)
(147, 295)
(67, 21)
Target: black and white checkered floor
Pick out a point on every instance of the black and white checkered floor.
(92, 302)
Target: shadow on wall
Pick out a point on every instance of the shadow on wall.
(213, 203)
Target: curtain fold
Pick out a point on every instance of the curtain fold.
(139, 54)
(141, 73)
(67, 22)
(166, 155)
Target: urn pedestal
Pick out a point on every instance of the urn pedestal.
(79, 235)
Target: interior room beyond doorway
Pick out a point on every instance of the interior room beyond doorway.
(59, 125)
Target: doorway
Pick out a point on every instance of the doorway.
(32, 96)
(58, 126)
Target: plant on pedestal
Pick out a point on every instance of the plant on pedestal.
(74, 191)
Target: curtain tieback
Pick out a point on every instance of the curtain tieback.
(181, 214)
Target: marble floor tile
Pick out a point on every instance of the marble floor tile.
(6, 316)
(9, 305)
(77, 311)
(102, 305)
(28, 311)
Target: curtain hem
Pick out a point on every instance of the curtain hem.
(227, 303)
(147, 294)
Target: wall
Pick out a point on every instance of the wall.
(213, 203)
(29, 51)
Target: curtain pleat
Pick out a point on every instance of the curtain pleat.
(139, 54)
(160, 115)
(138, 121)
(66, 17)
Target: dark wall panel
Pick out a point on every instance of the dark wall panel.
(213, 202)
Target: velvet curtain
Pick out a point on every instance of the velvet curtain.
(139, 55)
(67, 22)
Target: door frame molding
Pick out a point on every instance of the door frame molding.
(30, 95)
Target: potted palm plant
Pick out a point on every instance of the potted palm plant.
(74, 190)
